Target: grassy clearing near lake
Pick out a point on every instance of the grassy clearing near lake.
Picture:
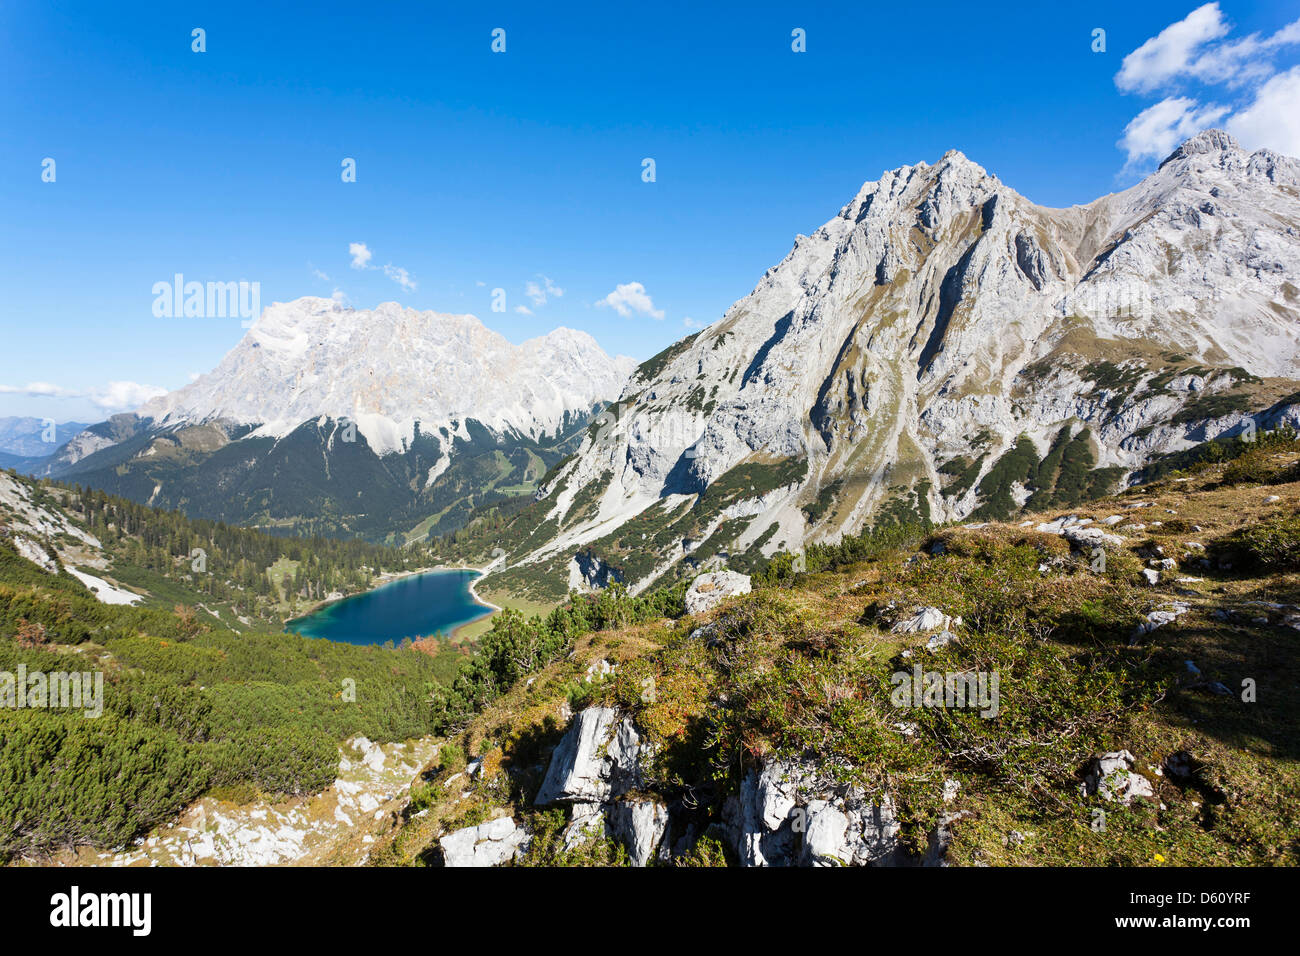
(468, 633)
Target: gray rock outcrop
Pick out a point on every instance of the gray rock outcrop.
(709, 590)
(789, 816)
(489, 844)
(597, 760)
(1112, 777)
(639, 825)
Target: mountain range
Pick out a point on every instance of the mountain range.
(25, 437)
(343, 421)
(941, 348)
(915, 439)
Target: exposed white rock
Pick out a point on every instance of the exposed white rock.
(1159, 618)
(925, 619)
(766, 799)
(942, 639)
(786, 815)
(598, 669)
(639, 825)
(34, 553)
(389, 367)
(105, 592)
(587, 821)
(1087, 538)
(850, 832)
(489, 844)
(29, 524)
(709, 590)
(299, 831)
(598, 758)
(867, 345)
(1112, 776)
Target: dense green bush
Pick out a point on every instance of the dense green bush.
(66, 780)
(186, 707)
(292, 760)
(1271, 545)
(1253, 454)
(850, 549)
(516, 646)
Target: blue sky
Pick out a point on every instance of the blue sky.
(479, 170)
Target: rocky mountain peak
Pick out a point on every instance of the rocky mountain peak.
(1206, 141)
(389, 367)
(942, 321)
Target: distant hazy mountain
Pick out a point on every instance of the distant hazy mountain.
(336, 420)
(26, 437)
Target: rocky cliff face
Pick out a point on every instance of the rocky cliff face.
(944, 346)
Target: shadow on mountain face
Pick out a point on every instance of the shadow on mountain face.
(778, 333)
(950, 296)
(682, 479)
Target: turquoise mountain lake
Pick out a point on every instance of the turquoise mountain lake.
(416, 606)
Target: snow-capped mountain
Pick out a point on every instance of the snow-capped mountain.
(389, 367)
(382, 422)
(945, 346)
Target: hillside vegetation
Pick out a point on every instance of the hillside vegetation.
(188, 706)
(1194, 675)
(172, 558)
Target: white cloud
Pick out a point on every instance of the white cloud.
(1197, 49)
(631, 297)
(360, 255)
(523, 310)
(318, 273)
(340, 299)
(1234, 64)
(117, 396)
(37, 389)
(1188, 50)
(1272, 120)
(690, 323)
(538, 293)
(400, 276)
(1158, 130)
(113, 397)
(1170, 52)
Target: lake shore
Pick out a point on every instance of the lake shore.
(461, 633)
(388, 577)
(474, 629)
